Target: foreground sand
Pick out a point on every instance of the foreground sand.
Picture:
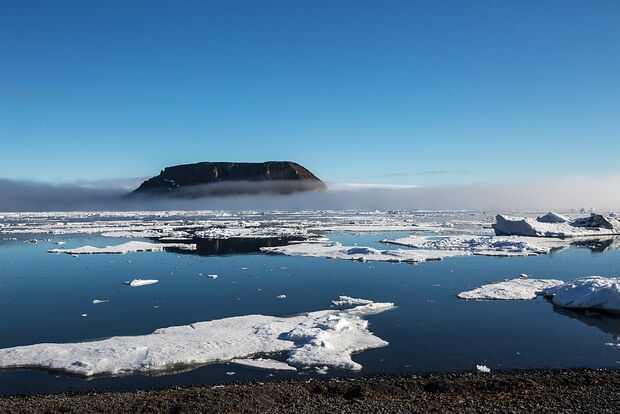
(578, 391)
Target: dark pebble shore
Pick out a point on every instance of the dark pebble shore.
(557, 391)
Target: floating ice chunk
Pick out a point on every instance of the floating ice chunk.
(281, 297)
(613, 345)
(592, 292)
(129, 247)
(595, 225)
(264, 363)
(349, 301)
(552, 217)
(84, 315)
(483, 368)
(515, 289)
(141, 282)
(213, 276)
(337, 251)
(98, 301)
(484, 245)
(321, 338)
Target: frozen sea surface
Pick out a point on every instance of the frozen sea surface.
(43, 295)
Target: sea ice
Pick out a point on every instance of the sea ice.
(264, 363)
(334, 250)
(129, 247)
(592, 292)
(483, 245)
(98, 301)
(483, 368)
(349, 301)
(546, 226)
(515, 289)
(321, 338)
(141, 282)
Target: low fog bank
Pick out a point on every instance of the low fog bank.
(575, 193)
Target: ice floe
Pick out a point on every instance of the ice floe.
(483, 245)
(321, 338)
(550, 225)
(335, 250)
(349, 301)
(515, 289)
(141, 282)
(129, 247)
(592, 292)
(483, 368)
(99, 301)
(264, 363)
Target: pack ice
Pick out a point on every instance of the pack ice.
(554, 225)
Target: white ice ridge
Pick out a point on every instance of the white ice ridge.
(349, 301)
(335, 250)
(551, 225)
(592, 292)
(515, 289)
(484, 245)
(264, 363)
(321, 338)
(129, 247)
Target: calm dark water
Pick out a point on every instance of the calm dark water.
(43, 295)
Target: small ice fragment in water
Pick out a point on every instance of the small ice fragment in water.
(613, 345)
(84, 315)
(212, 276)
(281, 297)
(98, 301)
(321, 370)
(230, 373)
(483, 368)
(523, 276)
(141, 282)
(244, 268)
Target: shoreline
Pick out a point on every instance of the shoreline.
(548, 390)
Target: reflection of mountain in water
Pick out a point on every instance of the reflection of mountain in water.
(597, 244)
(607, 323)
(210, 247)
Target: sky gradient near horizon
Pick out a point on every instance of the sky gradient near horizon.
(403, 92)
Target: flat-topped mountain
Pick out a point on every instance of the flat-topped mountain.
(224, 178)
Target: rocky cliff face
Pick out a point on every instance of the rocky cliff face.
(222, 178)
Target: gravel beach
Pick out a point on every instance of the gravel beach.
(567, 391)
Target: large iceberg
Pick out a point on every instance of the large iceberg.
(592, 292)
(552, 225)
(323, 338)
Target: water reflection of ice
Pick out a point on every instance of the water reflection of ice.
(605, 322)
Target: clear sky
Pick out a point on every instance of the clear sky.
(422, 92)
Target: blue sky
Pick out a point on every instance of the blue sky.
(422, 92)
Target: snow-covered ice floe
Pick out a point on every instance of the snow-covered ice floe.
(129, 247)
(335, 250)
(349, 301)
(592, 292)
(264, 363)
(321, 338)
(483, 245)
(141, 282)
(515, 289)
(554, 225)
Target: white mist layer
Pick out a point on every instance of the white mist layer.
(321, 338)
